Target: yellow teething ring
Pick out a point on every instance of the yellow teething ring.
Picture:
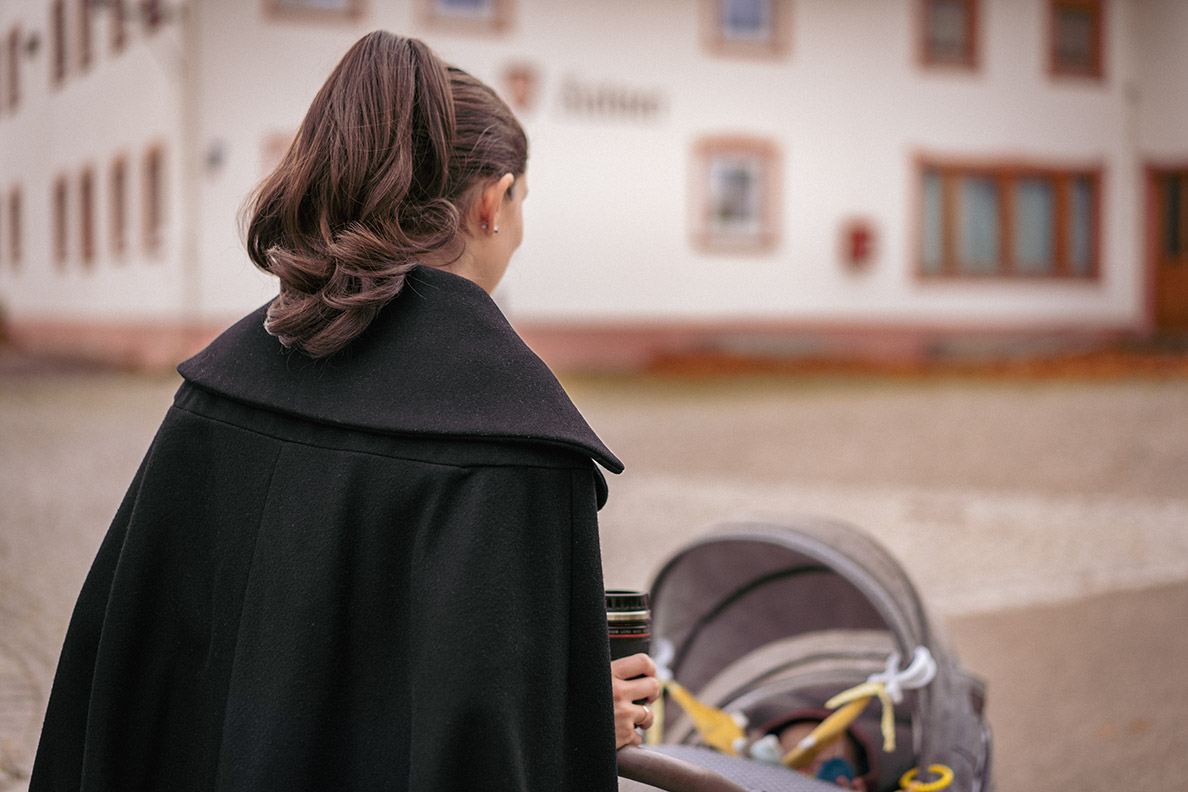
(946, 778)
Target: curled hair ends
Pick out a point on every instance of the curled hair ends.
(375, 180)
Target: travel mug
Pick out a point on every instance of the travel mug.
(629, 622)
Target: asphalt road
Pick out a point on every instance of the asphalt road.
(1044, 520)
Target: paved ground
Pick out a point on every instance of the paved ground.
(1045, 521)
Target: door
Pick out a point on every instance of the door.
(1171, 249)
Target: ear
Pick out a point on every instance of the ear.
(490, 202)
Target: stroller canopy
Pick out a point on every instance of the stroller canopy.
(753, 583)
(761, 617)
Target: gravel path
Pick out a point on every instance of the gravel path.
(1038, 517)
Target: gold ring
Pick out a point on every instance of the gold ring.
(647, 713)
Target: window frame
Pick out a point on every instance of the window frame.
(15, 239)
(12, 69)
(1007, 176)
(704, 235)
(971, 58)
(85, 34)
(715, 41)
(1096, 68)
(502, 17)
(152, 15)
(59, 221)
(59, 65)
(87, 247)
(353, 12)
(118, 25)
(154, 199)
(117, 214)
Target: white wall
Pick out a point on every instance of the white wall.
(850, 109)
(607, 220)
(119, 105)
(1162, 26)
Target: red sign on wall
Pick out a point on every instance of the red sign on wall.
(858, 244)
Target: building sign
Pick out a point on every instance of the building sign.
(611, 101)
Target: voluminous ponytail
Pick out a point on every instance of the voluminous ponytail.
(375, 179)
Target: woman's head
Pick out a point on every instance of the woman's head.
(384, 173)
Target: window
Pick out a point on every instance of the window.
(12, 73)
(118, 209)
(58, 41)
(315, 9)
(15, 242)
(84, 33)
(749, 28)
(1173, 233)
(1008, 222)
(950, 32)
(1076, 41)
(475, 15)
(60, 208)
(86, 216)
(152, 15)
(118, 24)
(154, 199)
(737, 192)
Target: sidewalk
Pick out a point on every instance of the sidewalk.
(1045, 519)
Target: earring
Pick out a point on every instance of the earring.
(496, 229)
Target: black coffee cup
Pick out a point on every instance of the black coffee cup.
(629, 622)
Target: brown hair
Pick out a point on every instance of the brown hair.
(377, 177)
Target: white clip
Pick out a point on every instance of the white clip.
(919, 673)
(662, 656)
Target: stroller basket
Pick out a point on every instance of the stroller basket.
(763, 618)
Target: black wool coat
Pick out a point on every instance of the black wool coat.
(378, 571)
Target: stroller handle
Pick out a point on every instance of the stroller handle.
(669, 773)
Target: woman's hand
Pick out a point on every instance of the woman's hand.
(627, 690)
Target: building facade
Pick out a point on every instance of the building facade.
(755, 176)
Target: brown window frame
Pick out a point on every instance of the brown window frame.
(154, 199)
(969, 59)
(1006, 177)
(706, 234)
(86, 217)
(152, 15)
(85, 34)
(502, 16)
(118, 25)
(117, 214)
(59, 214)
(15, 239)
(715, 41)
(353, 12)
(12, 74)
(1096, 10)
(59, 42)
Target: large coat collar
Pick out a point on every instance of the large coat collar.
(439, 360)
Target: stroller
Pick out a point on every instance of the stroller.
(760, 619)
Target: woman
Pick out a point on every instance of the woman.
(362, 551)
